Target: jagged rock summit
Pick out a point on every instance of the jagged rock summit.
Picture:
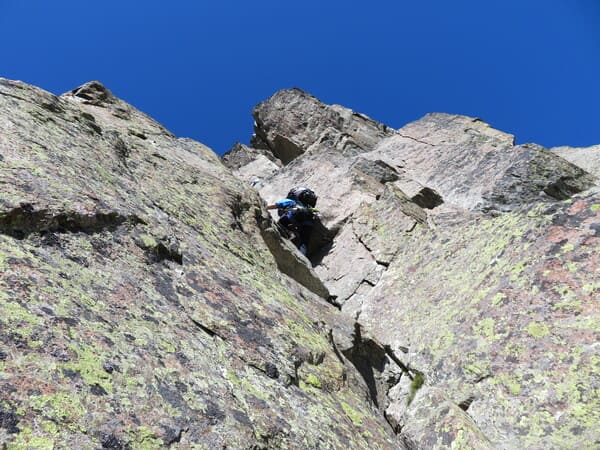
(148, 301)
(469, 264)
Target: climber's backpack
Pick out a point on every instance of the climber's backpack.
(303, 195)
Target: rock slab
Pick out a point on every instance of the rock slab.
(468, 263)
(140, 306)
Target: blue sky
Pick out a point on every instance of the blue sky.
(528, 67)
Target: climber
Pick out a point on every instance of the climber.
(297, 215)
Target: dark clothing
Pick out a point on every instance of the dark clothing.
(297, 218)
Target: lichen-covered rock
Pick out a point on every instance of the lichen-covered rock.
(588, 158)
(468, 263)
(501, 312)
(139, 304)
(428, 419)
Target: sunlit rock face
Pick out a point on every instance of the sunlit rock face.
(468, 264)
(586, 157)
(140, 306)
(449, 298)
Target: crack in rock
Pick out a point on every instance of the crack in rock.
(269, 369)
(370, 251)
(6, 94)
(414, 139)
(465, 404)
(24, 220)
(209, 331)
(289, 261)
(369, 358)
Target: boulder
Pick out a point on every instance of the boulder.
(250, 164)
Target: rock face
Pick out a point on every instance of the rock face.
(586, 157)
(469, 265)
(251, 164)
(140, 305)
(148, 301)
(291, 121)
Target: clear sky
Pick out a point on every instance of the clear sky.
(527, 67)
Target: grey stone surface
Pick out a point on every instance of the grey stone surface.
(462, 257)
(147, 300)
(291, 121)
(475, 167)
(588, 158)
(140, 306)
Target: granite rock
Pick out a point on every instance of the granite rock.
(463, 259)
(588, 158)
(140, 306)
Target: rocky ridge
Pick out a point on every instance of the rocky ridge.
(468, 263)
(148, 301)
(586, 157)
(141, 307)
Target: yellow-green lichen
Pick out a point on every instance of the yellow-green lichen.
(480, 295)
(26, 440)
(251, 388)
(571, 266)
(148, 241)
(517, 269)
(568, 247)
(513, 386)
(568, 304)
(498, 299)
(313, 381)
(485, 328)
(478, 368)
(89, 363)
(355, 416)
(538, 329)
(63, 408)
(167, 346)
(20, 320)
(416, 384)
(143, 438)
(15, 314)
(589, 288)
(306, 335)
(461, 441)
